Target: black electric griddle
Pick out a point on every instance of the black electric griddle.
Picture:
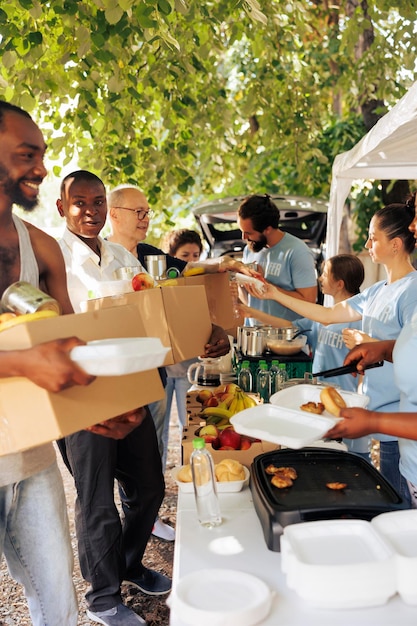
(366, 495)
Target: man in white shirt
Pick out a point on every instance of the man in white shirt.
(110, 551)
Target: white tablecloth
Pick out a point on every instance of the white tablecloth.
(199, 548)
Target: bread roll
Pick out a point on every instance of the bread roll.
(184, 475)
(332, 400)
(229, 470)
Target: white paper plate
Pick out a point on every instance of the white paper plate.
(293, 429)
(116, 357)
(232, 486)
(221, 597)
(293, 397)
(243, 279)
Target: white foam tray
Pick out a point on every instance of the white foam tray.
(293, 397)
(338, 564)
(232, 486)
(399, 528)
(286, 427)
(117, 357)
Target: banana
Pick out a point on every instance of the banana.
(226, 400)
(193, 271)
(216, 411)
(215, 420)
(27, 317)
(233, 405)
(248, 401)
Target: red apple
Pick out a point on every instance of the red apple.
(215, 444)
(142, 281)
(245, 443)
(211, 402)
(204, 395)
(209, 433)
(229, 437)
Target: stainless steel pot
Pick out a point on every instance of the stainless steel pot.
(253, 341)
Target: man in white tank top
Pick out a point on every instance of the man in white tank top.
(30, 482)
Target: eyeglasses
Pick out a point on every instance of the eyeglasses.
(141, 214)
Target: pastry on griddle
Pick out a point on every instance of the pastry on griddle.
(280, 481)
(313, 407)
(336, 486)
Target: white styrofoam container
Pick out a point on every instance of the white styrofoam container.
(120, 356)
(293, 397)
(338, 564)
(399, 528)
(293, 429)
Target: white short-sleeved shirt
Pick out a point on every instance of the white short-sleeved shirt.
(289, 265)
(85, 269)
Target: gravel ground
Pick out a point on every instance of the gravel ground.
(158, 556)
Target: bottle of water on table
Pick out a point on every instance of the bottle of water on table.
(204, 481)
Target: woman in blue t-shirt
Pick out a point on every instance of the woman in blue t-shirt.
(384, 309)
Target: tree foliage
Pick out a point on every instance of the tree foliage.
(191, 99)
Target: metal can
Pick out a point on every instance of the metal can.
(22, 298)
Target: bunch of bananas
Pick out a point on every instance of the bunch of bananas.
(230, 404)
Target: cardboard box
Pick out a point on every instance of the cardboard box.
(179, 316)
(31, 415)
(244, 456)
(219, 297)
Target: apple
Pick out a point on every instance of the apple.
(142, 281)
(209, 433)
(245, 443)
(213, 401)
(215, 444)
(204, 395)
(229, 437)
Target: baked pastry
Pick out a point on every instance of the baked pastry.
(280, 481)
(313, 407)
(229, 470)
(184, 475)
(332, 400)
(336, 486)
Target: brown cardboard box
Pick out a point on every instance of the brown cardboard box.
(30, 415)
(219, 297)
(244, 456)
(179, 316)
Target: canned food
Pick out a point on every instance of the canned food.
(22, 298)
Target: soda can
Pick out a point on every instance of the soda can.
(22, 298)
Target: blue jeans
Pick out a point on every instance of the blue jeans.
(178, 385)
(35, 540)
(389, 460)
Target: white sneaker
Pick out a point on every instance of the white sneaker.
(163, 531)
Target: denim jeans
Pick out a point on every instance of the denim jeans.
(178, 385)
(35, 539)
(389, 459)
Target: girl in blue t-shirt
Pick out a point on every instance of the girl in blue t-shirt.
(341, 277)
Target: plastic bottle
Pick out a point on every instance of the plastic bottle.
(274, 374)
(245, 378)
(202, 469)
(282, 377)
(263, 382)
(261, 362)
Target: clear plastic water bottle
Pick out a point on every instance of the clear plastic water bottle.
(282, 376)
(245, 378)
(261, 363)
(263, 382)
(202, 469)
(274, 374)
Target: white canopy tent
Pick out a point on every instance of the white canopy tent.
(387, 152)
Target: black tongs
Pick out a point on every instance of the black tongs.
(346, 369)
